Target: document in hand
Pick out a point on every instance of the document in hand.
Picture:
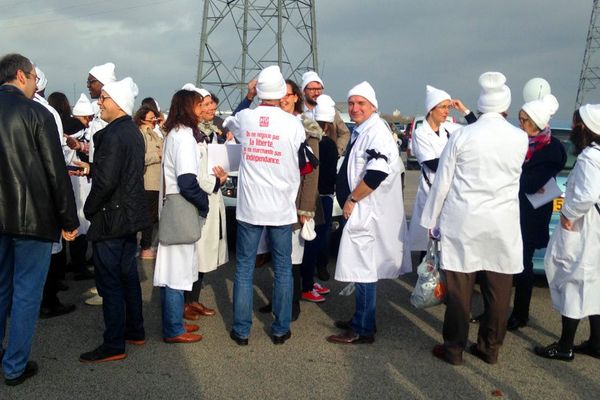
(550, 192)
(226, 155)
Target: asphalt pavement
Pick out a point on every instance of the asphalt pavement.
(399, 365)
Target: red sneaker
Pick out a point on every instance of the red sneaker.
(313, 296)
(320, 289)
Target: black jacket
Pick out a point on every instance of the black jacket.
(36, 197)
(116, 205)
(543, 165)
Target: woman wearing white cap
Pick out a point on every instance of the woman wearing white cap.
(545, 158)
(571, 262)
(428, 142)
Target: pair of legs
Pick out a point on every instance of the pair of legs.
(523, 289)
(280, 238)
(118, 283)
(24, 264)
(315, 248)
(569, 328)
(152, 200)
(495, 289)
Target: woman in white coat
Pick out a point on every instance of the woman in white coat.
(211, 249)
(176, 266)
(571, 261)
(428, 142)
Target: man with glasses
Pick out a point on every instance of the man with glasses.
(37, 203)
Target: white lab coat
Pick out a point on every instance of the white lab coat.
(177, 265)
(475, 195)
(373, 244)
(211, 250)
(572, 258)
(426, 145)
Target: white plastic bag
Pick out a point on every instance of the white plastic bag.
(430, 288)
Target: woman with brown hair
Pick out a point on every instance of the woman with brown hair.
(571, 261)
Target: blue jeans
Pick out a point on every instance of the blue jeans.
(363, 320)
(313, 248)
(24, 265)
(280, 238)
(118, 283)
(172, 304)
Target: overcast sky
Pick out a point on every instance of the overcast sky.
(398, 46)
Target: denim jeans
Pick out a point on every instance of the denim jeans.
(24, 264)
(118, 283)
(363, 320)
(280, 238)
(313, 248)
(172, 303)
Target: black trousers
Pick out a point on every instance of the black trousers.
(569, 328)
(194, 294)
(55, 273)
(152, 200)
(524, 285)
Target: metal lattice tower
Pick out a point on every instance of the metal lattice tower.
(589, 80)
(241, 37)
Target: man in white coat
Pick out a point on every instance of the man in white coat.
(269, 178)
(369, 186)
(475, 197)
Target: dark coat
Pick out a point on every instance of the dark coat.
(36, 197)
(543, 165)
(116, 205)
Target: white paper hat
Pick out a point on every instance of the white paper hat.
(494, 95)
(365, 90)
(123, 93)
(83, 107)
(192, 88)
(42, 81)
(590, 114)
(325, 109)
(540, 111)
(105, 73)
(433, 97)
(271, 85)
(310, 76)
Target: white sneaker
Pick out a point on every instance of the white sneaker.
(94, 301)
(93, 291)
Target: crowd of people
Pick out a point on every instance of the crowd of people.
(103, 173)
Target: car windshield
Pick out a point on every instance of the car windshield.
(562, 134)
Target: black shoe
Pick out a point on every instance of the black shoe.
(586, 348)
(57, 310)
(344, 325)
(281, 339)
(515, 323)
(102, 354)
(83, 275)
(62, 287)
(476, 319)
(30, 370)
(322, 273)
(266, 309)
(554, 352)
(240, 341)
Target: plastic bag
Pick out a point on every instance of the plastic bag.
(430, 288)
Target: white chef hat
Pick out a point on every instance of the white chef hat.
(494, 95)
(365, 90)
(433, 97)
(42, 82)
(192, 88)
(535, 89)
(83, 107)
(540, 111)
(105, 73)
(590, 114)
(325, 109)
(270, 84)
(123, 93)
(310, 76)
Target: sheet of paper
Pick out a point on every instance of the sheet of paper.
(226, 155)
(551, 191)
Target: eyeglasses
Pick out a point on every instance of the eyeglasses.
(92, 81)
(314, 89)
(102, 98)
(445, 107)
(289, 94)
(152, 121)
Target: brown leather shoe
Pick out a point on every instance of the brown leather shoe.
(350, 337)
(439, 351)
(184, 338)
(201, 309)
(190, 314)
(189, 328)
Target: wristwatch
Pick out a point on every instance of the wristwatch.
(352, 199)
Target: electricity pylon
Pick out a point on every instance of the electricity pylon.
(589, 80)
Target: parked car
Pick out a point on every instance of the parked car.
(561, 134)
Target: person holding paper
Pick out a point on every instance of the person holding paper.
(545, 158)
